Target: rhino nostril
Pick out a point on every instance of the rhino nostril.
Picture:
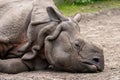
(96, 60)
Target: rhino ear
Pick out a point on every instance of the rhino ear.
(77, 17)
(55, 15)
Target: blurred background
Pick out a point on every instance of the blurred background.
(70, 7)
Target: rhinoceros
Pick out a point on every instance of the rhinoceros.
(34, 35)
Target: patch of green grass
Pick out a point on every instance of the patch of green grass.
(68, 9)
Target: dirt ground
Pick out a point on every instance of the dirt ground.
(101, 28)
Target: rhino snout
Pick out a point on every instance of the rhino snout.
(99, 63)
(96, 64)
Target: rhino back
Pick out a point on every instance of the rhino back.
(13, 18)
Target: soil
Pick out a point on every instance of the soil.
(101, 28)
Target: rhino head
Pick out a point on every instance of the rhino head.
(66, 50)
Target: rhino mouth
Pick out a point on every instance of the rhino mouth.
(92, 67)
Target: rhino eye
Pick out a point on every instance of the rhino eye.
(77, 46)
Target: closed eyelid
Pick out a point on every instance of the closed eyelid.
(80, 44)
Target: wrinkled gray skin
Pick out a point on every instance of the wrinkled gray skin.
(35, 35)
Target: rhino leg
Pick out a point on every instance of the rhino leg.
(12, 66)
